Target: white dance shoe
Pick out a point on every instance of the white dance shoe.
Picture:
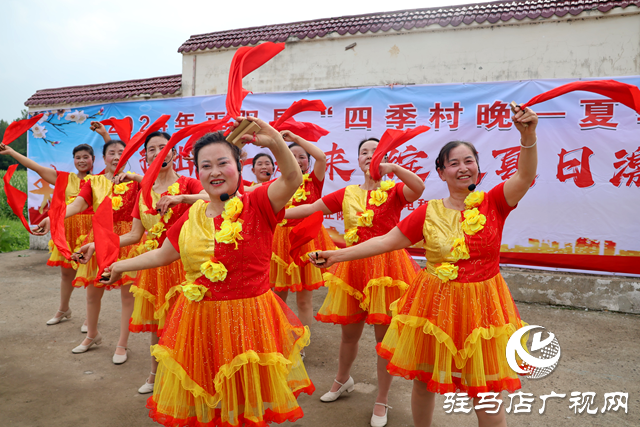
(97, 340)
(119, 359)
(84, 328)
(330, 396)
(146, 387)
(59, 316)
(377, 421)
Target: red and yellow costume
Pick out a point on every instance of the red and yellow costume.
(451, 328)
(363, 289)
(285, 273)
(76, 228)
(230, 351)
(156, 289)
(123, 200)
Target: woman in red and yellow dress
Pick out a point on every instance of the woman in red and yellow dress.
(361, 291)
(76, 228)
(286, 276)
(450, 329)
(155, 289)
(230, 351)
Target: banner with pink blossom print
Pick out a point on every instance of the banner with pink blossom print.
(581, 212)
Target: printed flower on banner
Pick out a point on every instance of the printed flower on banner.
(101, 112)
(44, 117)
(39, 131)
(60, 113)
(77, 116)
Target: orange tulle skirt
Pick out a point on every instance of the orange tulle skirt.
(155, 290)
(364, 289)
(230, 363)
(87, 273)
(453, 336)
(76, 229)
(286, 274)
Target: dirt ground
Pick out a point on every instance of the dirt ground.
(43, 384)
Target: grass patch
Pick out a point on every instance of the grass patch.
(13, 236)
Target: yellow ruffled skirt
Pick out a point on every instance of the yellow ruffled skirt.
(76, 229)
(230, 363)
(87, 273)
(453, 336)
(364, 289)
(285, 274)
(155, 290)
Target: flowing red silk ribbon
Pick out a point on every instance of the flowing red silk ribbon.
(303, 233)
(138, 139)
(15, 129)
(123, 127)
(309, 131)
(15, 198)
(107, 242)
(57, 212)
(154, 169)
(246, 60)
(391, 139)
(623, 93)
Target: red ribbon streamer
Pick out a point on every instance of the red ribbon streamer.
(107, 242)
(303, 233)
(623, 93)
(138, 139)
(154, 169)
(15, 198)
(391, 139)
(309, 131)
(123, 127)
(15, 129)
(57, 212)
(246, 60)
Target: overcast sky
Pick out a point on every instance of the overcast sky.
(50, 44)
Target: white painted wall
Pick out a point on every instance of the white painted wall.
(590, 45)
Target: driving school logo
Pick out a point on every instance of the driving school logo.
(533, 367)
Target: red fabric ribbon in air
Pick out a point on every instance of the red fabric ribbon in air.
(154, 169)
(309, 131)
(15, 129)
(391, 139)
(123, 127)
(246, 60)
(303, 233)
(107, 242)
(57, 212)
(15, 198)
(623, 93)
(138, 139)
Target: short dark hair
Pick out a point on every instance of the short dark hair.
(154, 134)
(215, 138)
(257, 156)
(444, 153)
(106, 146)
(366, 140)
(83, 147)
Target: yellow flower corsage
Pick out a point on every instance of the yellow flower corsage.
(474, 199)
(213, 270)
(229, 232)
(378, 197)
(447, 271)
(351, 236)
(300, 194)
(120, 188)
(151, 244)
(167, 216)
(116, 203)
(232, 209)
(157, 229)
(387, 185)
(366, 218)
(174, 189)
(473, 221)
(194, 292)
(459, 249)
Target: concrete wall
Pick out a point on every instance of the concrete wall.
(592, 45)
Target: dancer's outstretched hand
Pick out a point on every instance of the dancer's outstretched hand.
(323, 259)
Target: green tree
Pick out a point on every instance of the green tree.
(20, 144)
